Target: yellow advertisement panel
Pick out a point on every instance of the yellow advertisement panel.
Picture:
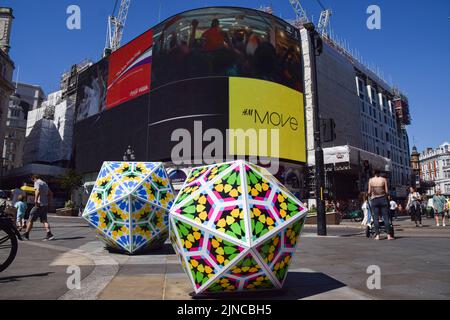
(272, 114)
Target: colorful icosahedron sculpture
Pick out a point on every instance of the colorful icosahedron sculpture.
(235, 228)
(129, 205)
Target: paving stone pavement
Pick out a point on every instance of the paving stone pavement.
(334, 267)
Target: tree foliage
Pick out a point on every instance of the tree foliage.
(71, 181)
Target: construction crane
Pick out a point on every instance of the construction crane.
(116, 24)
(300, 14)
(301, 17)
(324, 20)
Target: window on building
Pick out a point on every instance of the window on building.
(15, 113)
(374, 97)
(447, 188)
(361, 88)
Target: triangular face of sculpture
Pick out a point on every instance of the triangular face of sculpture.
(129, 205)
(235, 228)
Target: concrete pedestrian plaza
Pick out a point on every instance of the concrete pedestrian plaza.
(415, 266)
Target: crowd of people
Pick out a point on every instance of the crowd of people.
(378, 205)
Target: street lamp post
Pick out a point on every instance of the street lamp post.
(316, 44)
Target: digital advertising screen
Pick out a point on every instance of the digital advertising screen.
(227, 42)
(183, 112)
(201, 72)
(130, 71)
(107, 136)
(264, 105)
(92, 89)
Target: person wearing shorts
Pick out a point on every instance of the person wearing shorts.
(21, 207)
(439, 203)
(40, 210)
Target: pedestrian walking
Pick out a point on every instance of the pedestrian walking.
(393, 206)
(413, 206)
(439, 203)
(42, 197)
(429, 207)
(367, 221)
(21, 208)
(448, 207)
(379, 204)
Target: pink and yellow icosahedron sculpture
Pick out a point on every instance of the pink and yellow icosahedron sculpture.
(129, 205)
(235, 228)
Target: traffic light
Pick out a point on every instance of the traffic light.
(328, 130)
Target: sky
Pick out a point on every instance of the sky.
(412, 48)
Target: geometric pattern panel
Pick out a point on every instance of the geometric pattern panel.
(129, 205)
(235, 228)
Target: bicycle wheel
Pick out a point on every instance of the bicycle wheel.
(8, 247)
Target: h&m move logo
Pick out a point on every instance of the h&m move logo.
(275, 119)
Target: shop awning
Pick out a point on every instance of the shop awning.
(346, 157)
(27, 189)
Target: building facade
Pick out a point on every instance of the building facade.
(435, 169)
(31, 94)
(26, 97)
(49, 127)
(49, 132)
(14, 134)
(415, 167)
(6, 73)
(370, 117)
(384, 117)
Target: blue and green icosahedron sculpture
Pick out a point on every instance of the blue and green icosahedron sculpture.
(129, 205)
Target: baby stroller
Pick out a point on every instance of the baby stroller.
(370, 228)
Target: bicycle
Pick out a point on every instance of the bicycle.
(9, 236)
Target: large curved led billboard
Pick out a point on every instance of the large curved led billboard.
(129, 73)
(209, 69)
(232, 42)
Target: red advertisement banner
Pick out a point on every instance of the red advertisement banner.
(130, 71)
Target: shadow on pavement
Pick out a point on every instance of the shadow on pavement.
(165, 249)
(63, 227)
(298, 285)
(17, 278)
(352, 235)
(73, 238)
